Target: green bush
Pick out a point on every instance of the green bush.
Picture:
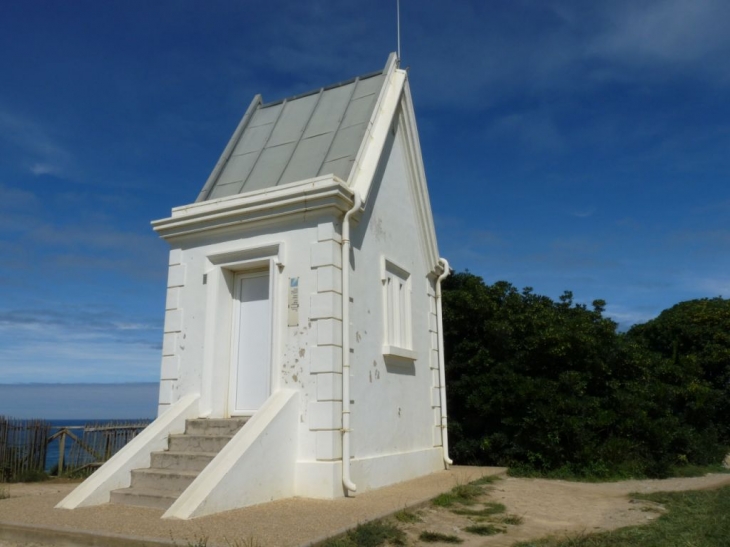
(552, 387)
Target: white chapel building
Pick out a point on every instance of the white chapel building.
(302, 350)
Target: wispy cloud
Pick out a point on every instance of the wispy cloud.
(566, 46)
(79, 319)
(626, 317)
(32, 144)
(17, 199)
(77, 344)
(585, 213)
(672, 33)
(535, 130)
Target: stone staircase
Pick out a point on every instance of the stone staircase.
(172, 470)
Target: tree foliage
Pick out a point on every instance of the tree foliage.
(552, 385)
(695, 336)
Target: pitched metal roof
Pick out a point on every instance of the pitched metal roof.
(305, 136)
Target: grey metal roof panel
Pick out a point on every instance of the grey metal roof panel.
(225, 190)
(369, 86)
(290, 125)
(358, 111)
(238, 168)
(307, 158)
(269, 167)
(330, 110)
(316, 133)
(253, 139)
(347, 140)
(265, 116)
(339, 167)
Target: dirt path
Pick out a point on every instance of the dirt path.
(544, 507)
(548, 507)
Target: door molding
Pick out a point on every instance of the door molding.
(220, 281)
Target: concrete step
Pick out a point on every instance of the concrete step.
(143, 498)
(197, 443)
(182, 461)
(173, 470)
(165, 480)
(214, 426)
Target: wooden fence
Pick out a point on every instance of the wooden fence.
(23, 446)
(96, 443)
(81, 449)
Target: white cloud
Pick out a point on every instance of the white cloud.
(665, 31)
(536, 130)
(44, 169)
(626, 317)
(58, 352)
(584, 213)
(33, 144)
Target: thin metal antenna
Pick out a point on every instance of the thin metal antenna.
(397, 4)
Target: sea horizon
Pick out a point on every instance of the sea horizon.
(79, 401)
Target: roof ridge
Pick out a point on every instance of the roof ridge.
(322, 89)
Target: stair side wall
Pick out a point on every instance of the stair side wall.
(256, 466)
(116, 473)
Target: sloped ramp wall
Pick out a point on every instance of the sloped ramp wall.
(116, 473)
(257, 465)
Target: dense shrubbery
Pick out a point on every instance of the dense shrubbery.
(550, 386)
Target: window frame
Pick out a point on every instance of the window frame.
(397, 311)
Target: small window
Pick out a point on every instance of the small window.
(397, 308)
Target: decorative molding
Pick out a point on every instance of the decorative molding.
(309, 197)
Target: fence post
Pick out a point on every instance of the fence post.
(61, 451)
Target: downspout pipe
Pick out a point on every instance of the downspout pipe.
(442, 369)
(346, 480)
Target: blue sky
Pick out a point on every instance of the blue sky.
(568, 145)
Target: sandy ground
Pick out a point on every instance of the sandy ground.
(550, 507)
(546, 507)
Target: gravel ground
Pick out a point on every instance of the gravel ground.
(283, 523)
(546, 507)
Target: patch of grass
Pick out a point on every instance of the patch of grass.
(447, 499)
(339, 542)
(696, 518)
(464, 494)
(601, 473)
(491, 508)
(568, 474)
(467, 492)
(436, 537)
(370, 534)
(32, 475)
(486, 479)
(407, 517)
(484, 530)
(513, 520)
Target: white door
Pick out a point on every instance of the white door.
(251, 371)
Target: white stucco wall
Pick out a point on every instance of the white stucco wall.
(192, 343)
(393, 399)
(395, 406)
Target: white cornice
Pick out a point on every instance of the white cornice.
(371, 148)
(317, 194)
